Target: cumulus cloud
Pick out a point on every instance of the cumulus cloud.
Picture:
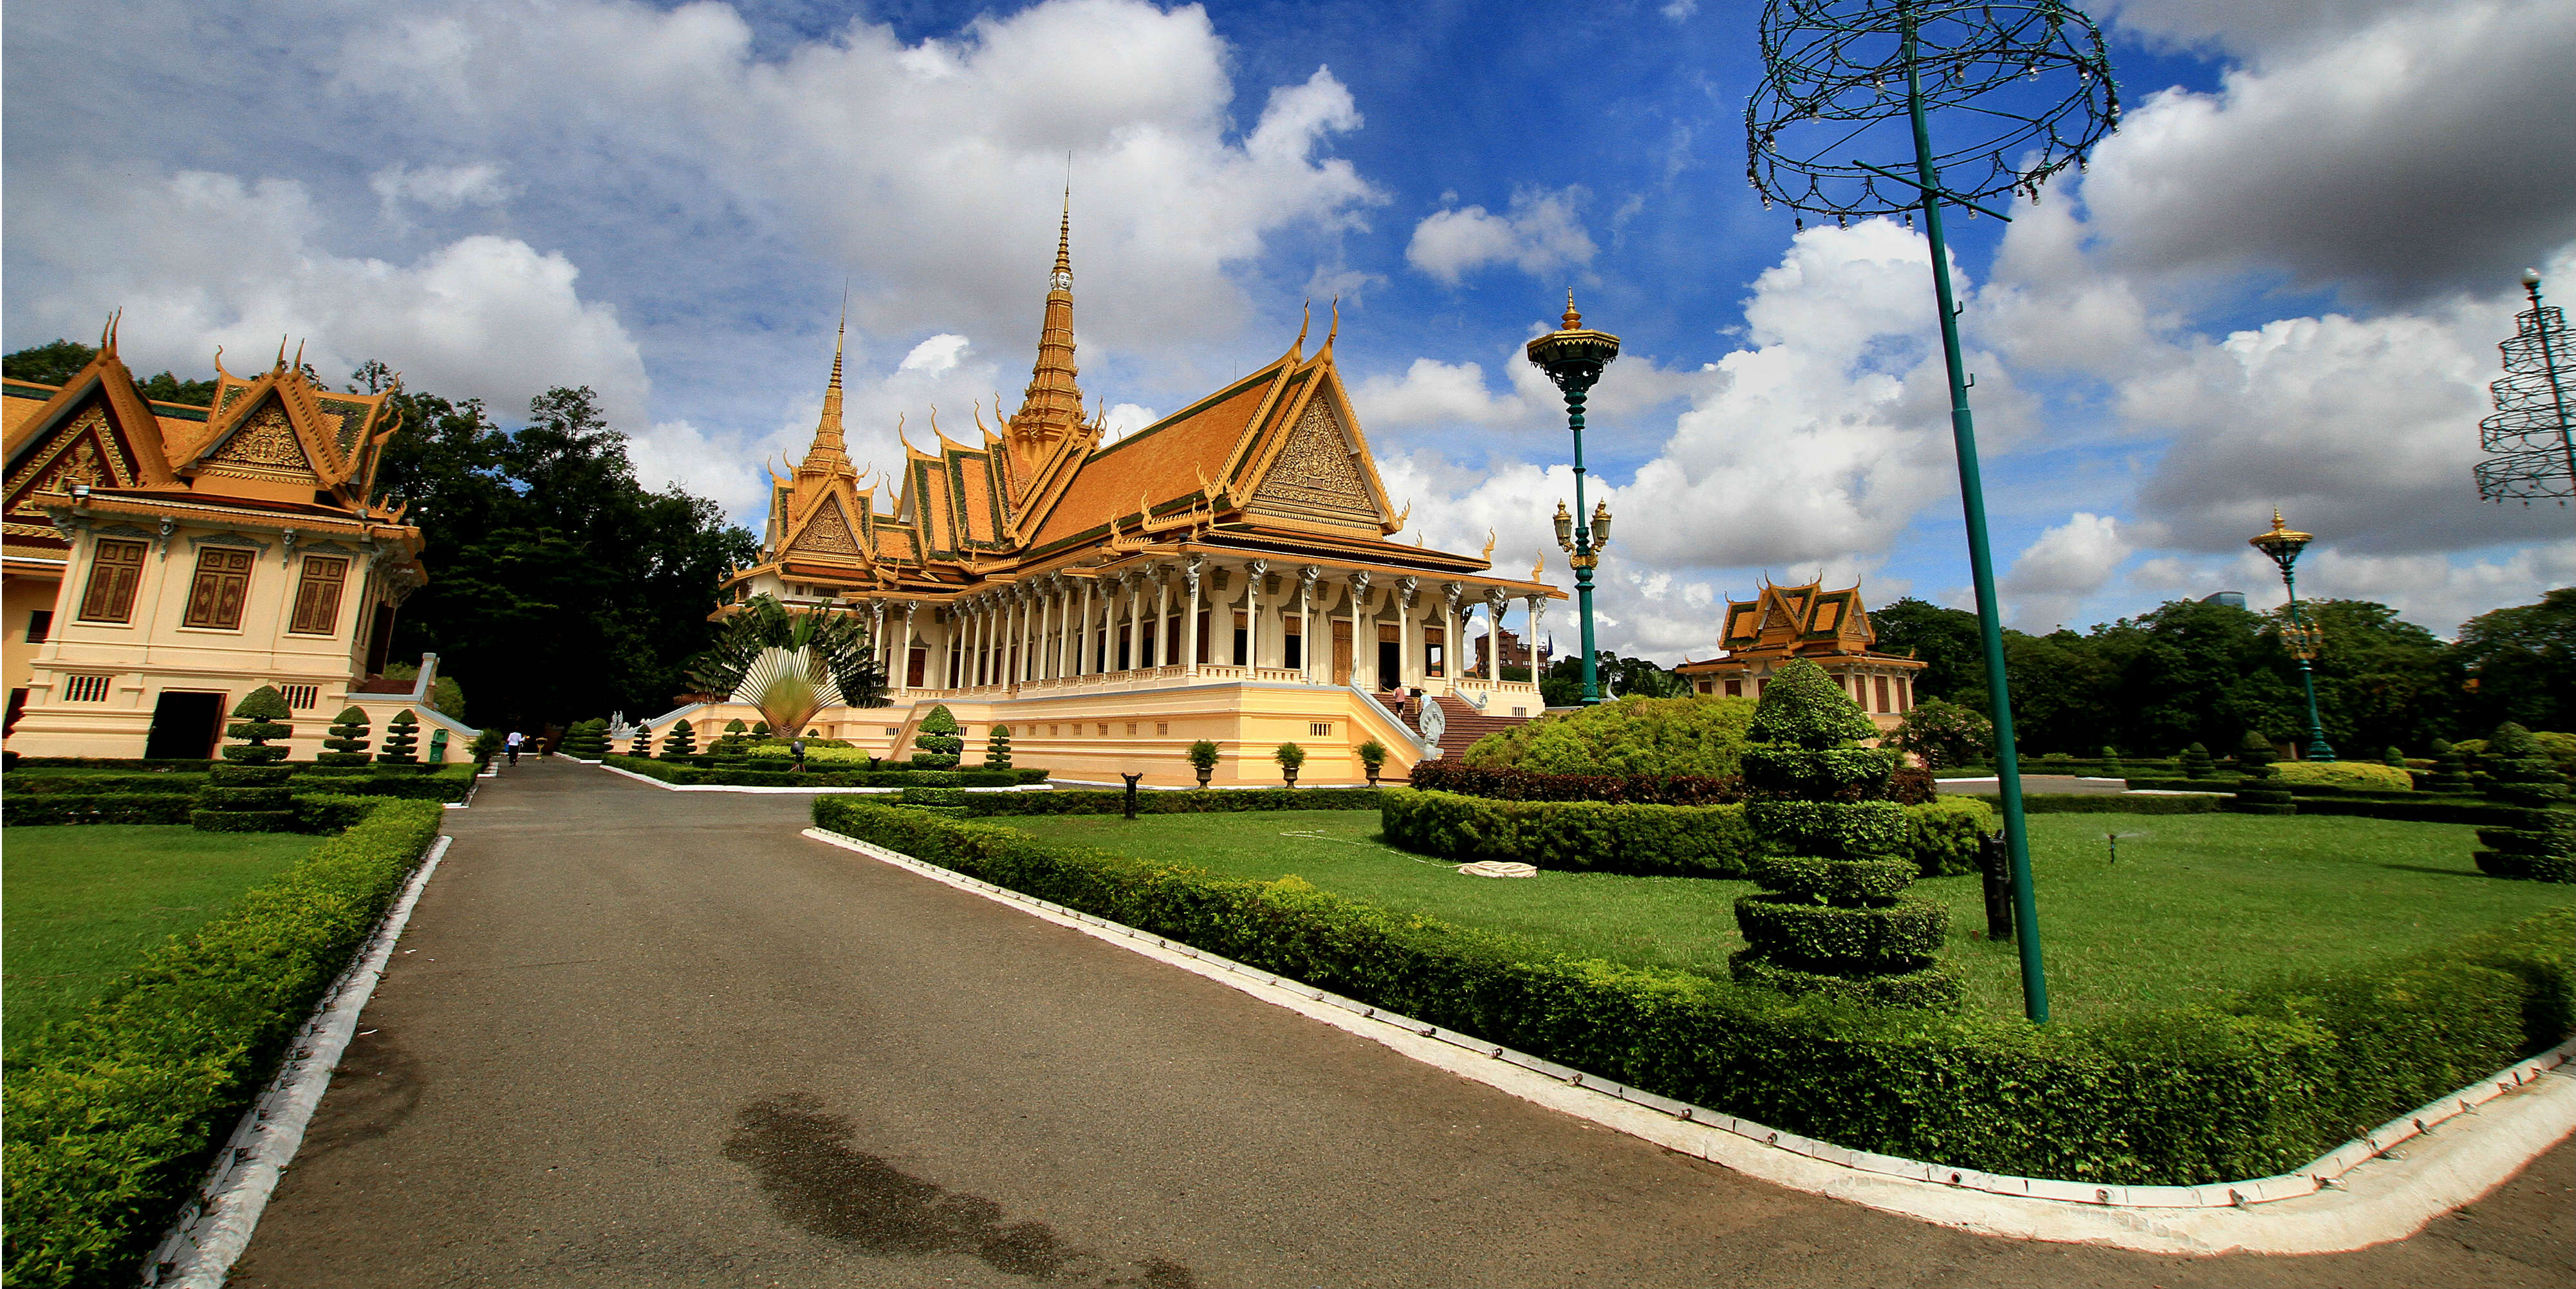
(935, 355)
(1541, 234)
(200, 260)
(2389, 149)
(2066, 566)
(440, 188)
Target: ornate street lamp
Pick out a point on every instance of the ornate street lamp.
(2531, 434)
(1845, 79)
(1573, 356)
(2283, 544)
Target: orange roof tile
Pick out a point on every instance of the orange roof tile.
(1160, 463)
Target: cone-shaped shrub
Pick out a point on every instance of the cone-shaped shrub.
(2450, 770)
(997, 749)
(587, 739)
(2196, 763)
(681, 741)
(2259, 794)
(1832, 916)
(936, 744)
(730, 743)
(643, 742)
(2394, 758)
(348, 741)
(247, 791)
(2541, 843)
(402, 740)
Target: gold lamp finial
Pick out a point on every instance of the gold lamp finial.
(1573, 320)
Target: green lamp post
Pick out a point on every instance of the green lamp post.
(2283, 544)
(1573, 356)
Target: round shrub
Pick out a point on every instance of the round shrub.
(2345, 774)
(937, 744)
(1835, 880)
(1657, 737)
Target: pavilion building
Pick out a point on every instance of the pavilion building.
(163, 560)
(1225, 573)
(1828, 628)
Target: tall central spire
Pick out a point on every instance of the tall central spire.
(1052, 407)
(829, 454)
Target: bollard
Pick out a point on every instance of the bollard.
(1131, 792)
(1994, 864)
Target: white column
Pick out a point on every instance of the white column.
(1135, 621)
(1405, 671)
(1449, 668)
(1363, 652)
(903, 651)
(1046, 632)
(1306, 622)
(1537, 614)
(1190, 626)
(1253, 573)
(1496, 600)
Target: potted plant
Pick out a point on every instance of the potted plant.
(1289, 756)
(1372, 759)
(1203, 758)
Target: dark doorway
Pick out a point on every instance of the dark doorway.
(915, 666)
(380, 640)
(1390, 664)
(185, 723)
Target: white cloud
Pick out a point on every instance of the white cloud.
(200, 259)
(2066, 566)
(440, 188)
(1539, 235)
(935, 355)
(1124, 419)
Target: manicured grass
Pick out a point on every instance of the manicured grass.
(82, 904)
(2196, 904)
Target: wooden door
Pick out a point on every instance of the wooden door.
(1341, 653)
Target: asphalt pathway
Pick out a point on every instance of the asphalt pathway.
(637, 1037)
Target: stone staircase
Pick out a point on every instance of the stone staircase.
(1466, 725)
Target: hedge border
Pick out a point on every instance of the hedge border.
(2102, 803)
(114, 1114)
(2264, 1081)
(1637, 839)
(1193, 801)
(693, 776)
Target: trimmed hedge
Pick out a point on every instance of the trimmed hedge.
(2103, 803)
(51, 785)
(449, 782)
(189, 764)
(99, 808)
(2249, 1087)
(1505, 784)
(1194, 801)
(1648, 841)
(668, 772)
(114, 1114)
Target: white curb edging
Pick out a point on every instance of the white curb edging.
(215, 1227)
(718, 787)
(2360, 1194)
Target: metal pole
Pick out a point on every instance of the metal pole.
(2318, 748)
(1574, 397)
(2557, 392)
(1981, 567)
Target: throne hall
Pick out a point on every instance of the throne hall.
(1224, 574)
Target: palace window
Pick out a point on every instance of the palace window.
(1242, 641)
(1131, 729)
(1319, 729)
(300, 697)
(1735, 689)
(1104, 731)
(85, 689)
(115, 568)
(1882, 696)
(1435, 651)
(40, 626)
(1162, 728)
(223, 583)
(317, 596)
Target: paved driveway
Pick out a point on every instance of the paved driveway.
(637, 1037)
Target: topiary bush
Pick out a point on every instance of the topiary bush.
(735, 738)
(1290, 757)
(1653, 737)
(348, 740)
(2450, 770)
(2367, 775)
(2395, 758)
(642, 744)
(1942, 734)
(937, 745)
(2541, 843)
(997, 748)
(587, 739)
(1372, 755)
(2196, 763)
(681, 742)
(1202, 755)
(2258, 795)
(246, 791)
(402, 739)
(1832, 916)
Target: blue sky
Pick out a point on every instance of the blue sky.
(2280, 283)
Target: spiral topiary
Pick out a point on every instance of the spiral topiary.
(2258, 795)
(2196, 763)
(735, 737)
(1832, 916)
(681, 742)
(2540, 845)
(588, 739)
(2450, 770)
(402, 740)
(997, 749)
(348, 741)
(937, 745)
(246, 791)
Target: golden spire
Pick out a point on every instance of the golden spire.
(1573, 320)
(829, 454)
(1051, 409)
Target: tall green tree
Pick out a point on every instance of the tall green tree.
(2519, 665)
(560, 586)
(1944, 640)
(60, 360)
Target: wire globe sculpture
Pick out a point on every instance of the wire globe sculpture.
(1846, 82)
(2531, 434)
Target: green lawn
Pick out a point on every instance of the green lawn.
(2196, 904)
(82, 904)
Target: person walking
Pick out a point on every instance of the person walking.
(512, 744)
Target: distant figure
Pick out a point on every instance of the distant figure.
(512, 743)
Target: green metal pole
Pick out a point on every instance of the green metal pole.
(1981, 565)
(2318, 748)
(2557, 392)
(1575, 395)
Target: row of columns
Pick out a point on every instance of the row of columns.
(1058, 625)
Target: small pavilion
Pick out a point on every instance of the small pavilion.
(1828, 628)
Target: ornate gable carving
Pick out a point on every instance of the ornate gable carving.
(86, 449)
(1314, 477)
(263, 446)
(828, 532)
